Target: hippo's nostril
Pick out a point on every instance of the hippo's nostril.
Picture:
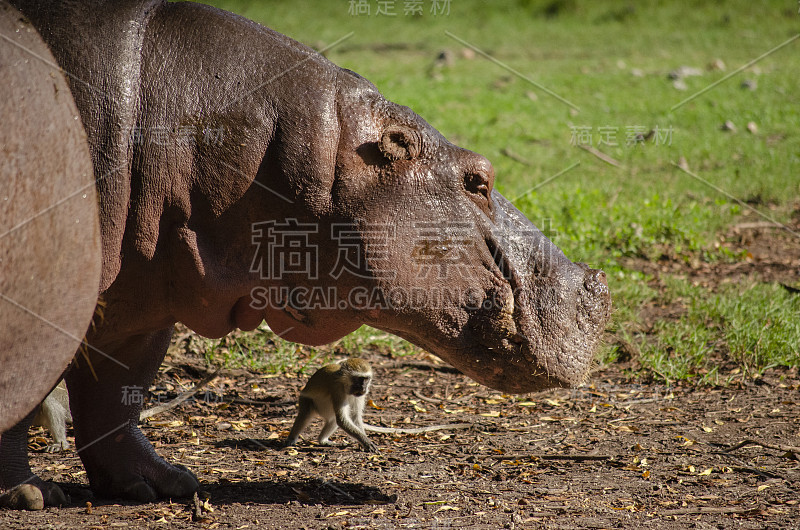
(477, 183)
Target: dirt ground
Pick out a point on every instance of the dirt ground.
(620, 452)
(613, 454)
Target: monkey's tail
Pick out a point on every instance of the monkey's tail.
(417, 430)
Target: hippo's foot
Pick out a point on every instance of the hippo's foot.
(34, 494)
(126, 466)
(25, 491)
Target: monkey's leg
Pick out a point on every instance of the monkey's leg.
(327, 429)
(355, 429)
(305, 413)
(54, 418)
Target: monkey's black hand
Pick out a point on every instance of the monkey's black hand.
(371, 447)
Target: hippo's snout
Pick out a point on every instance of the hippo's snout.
(541, 329)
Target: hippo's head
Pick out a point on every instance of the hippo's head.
(422, 246)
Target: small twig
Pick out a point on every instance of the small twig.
(778, 447)
(272, 401)
(601, 155)
(417, 430)
(425, 398)
(337, 489)
(639, 401)
(553, 457)
(744, 467)
(513, 156)
(790, 288)
(459, 399)
(632, 418)
(710, 509)
(757, 225)
(443, 368)
(158, 409)
(754, 471)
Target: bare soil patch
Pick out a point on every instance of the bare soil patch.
(771, 254)
(613, 454)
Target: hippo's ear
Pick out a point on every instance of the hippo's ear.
(400, 142)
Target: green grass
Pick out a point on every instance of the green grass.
(610, 59)
(263, 351)
(755, 326)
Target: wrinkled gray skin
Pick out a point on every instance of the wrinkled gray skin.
(304, 140)
(49, 235)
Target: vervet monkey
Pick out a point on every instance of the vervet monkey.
(336, 392)
(54, 414)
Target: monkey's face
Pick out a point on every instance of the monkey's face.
(359, 385)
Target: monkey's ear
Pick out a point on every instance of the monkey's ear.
(400, 142)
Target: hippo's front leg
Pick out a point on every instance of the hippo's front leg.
(119, 460)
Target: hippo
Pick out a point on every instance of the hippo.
(50, 257)
(243, 177)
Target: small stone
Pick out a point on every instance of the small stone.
(716, 64)
(468, 53)
(621, 64)
(445, 58)
(635, 72)
(532, 95)
(728, 126)
(679, 84)
(685, 71)
(223, 426)
(749, 84)
(683, 163)
(752, 127)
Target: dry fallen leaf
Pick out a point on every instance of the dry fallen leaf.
(372, 404)
(340, 514)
